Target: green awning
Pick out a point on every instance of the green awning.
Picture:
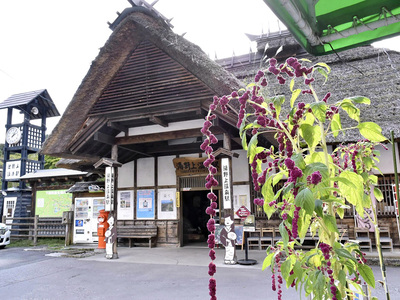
(325, 26)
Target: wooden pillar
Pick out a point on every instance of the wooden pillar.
(114, 156)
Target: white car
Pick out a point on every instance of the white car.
(4, 235)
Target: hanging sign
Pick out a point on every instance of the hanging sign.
(226, 183)
(185, 166)
(109, 189)
(243, 212)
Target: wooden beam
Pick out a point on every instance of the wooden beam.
(156, 137)
(135, 151)
(118, 126)
(104, 138)
(157, 120)
(126, 117)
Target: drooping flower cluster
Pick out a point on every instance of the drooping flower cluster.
(210, 183)
(326, 249)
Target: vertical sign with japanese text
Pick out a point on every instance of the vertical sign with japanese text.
(226, 183)
(109, 189)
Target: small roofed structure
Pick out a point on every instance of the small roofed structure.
(26, 101)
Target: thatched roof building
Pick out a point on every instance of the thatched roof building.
(363, 71)
(145, 74)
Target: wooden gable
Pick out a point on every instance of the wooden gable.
(150, 81)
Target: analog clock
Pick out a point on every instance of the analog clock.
(13, 135)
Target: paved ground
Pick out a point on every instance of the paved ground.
(141, 273)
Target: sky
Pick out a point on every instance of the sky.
(48, 44)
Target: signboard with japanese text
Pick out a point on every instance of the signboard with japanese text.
(145, 204)
(226, 183)
(13, 170)
(191, 166)
(109, 189)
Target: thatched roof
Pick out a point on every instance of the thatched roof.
(130, 31)
(363, 71)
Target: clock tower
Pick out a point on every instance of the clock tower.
(24, 139)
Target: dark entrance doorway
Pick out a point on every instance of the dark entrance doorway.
(194, 204)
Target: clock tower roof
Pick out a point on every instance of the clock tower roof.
(39, 99)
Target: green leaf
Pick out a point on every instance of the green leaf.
(340, 212)
(295, 95)
(360, 99)
(284, 234)
(342, 277)
(344, 181)
(244, 142)
(243, 127)
(286, 267)
(268, 193)
(287, 188)
(345, 254)
(269, 210)
(352, 111)
(298, 269)
(299, 160)
(311, 134)
(319, 208)
(291, 85)
(378, 194)
(352, 192)
(319, 286)
(267, 261)
(278, 101)
(277, 178)
(310, 119)
(336, 125)
(317, 166)
(328, 69)
(371, 131)
(252, 147)
(330, 223)
(323, 73)
(319, 110)
(305, 200)
(367, 274)
(373, 179)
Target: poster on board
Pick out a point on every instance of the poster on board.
(125, 205)
(145, 204)
(241, 197)
(166, 204)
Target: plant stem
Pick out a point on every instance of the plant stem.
(326, 156)
(380, 254)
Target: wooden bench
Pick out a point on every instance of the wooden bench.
(137, 232)
(386, 239)
(363, 238)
